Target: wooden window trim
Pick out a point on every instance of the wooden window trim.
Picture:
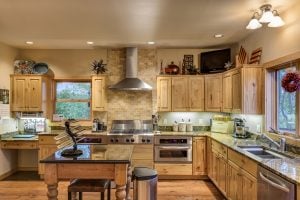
(271, 96)
(75, 80)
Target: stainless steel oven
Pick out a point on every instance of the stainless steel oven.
(173, 149)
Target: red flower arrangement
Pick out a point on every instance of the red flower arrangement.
(291, 82)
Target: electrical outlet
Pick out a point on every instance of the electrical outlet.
(258, 128)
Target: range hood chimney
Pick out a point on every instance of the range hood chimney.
(131, 82)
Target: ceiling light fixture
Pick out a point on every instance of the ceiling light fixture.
(151, 42)
(267, 16)
(90, 42)
(29, 42)
(219, 35)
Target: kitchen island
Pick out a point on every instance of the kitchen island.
(97, 162)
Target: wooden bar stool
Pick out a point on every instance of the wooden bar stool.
(89, 185)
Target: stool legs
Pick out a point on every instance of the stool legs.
(108, 190)
(80, 195)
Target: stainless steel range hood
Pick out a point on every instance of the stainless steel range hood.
(131, 82)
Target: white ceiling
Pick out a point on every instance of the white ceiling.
(69, 24)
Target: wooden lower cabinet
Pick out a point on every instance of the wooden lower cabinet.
(219, 168)
(19, 144)
(173, 169)
(249, 186)
(199, 156)
(142, 156)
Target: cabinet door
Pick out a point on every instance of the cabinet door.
(199, 156)
(213, 93)
(236, 92)
(98, 94)
(209, 157)
(221, 173)
(34, 95)
(196, 93)
(164, 93)
(252, 90)
(19, 93)
(44, 152)
(249, 187)
(227, 92)
(234, 182)
(179, 94)
(214, 166)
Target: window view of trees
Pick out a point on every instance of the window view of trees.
(73, 99)
(286, 105)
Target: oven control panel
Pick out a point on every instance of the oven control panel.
(130, 139)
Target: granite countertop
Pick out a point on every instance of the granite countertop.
(111, 154)
(172, 133)
(85, 133)
(12, 136)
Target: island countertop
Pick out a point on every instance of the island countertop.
(110, 154)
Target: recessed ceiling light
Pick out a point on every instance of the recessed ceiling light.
(90, 42)
(219, 35)
(150, 42)
(29, 42)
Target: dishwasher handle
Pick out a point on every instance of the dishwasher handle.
(276, 185)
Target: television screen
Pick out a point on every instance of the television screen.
(214, 61)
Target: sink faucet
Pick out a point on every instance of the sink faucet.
(280, 146)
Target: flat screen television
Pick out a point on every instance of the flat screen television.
(214, 61)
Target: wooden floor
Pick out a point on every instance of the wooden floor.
(167, 190)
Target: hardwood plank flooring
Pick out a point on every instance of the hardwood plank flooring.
(167, 190)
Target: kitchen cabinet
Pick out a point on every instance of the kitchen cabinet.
(19, 144)
(209, 157)
(180, 99)
(199, 156)
(142, 156)
(31, 93)
(180, 93)
(99, 96)
(242, 179)
(47, 146)
(213, 93)
(219, 166)
(173, 169)
(164, 93)
(242, 90)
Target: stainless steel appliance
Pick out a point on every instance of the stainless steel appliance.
(131, 132)
(271, 186)
(240, 130)
(173, 149)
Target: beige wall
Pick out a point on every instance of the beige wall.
(66, 63)
(277, 42)
(8, 158)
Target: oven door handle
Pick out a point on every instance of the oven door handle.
(281, 187)
(174, 147)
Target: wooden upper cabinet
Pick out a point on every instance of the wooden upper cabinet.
(242, 90)
(164, 93)
(99, 97)
(196, 93)
(213, 92)
(31, 93)
(180, 94)
(227, 92)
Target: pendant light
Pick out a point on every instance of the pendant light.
(254, 23)
(267, 14)
(276, 21)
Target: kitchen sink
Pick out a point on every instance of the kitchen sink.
(261, 152)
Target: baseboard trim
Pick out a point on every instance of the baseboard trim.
(27, 169)
(7, 174)
(182, 177)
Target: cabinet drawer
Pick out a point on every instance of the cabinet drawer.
(19, 145)
(242, 161)
(174, 169)
(220, 148)
(47, 139)
(143, 152)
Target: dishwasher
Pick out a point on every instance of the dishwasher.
(271, 186)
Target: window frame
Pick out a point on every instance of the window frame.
(55, 81)
(271, 97)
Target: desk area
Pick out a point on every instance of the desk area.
(96, 162)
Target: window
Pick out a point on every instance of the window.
(286, 104)
(73, 99)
